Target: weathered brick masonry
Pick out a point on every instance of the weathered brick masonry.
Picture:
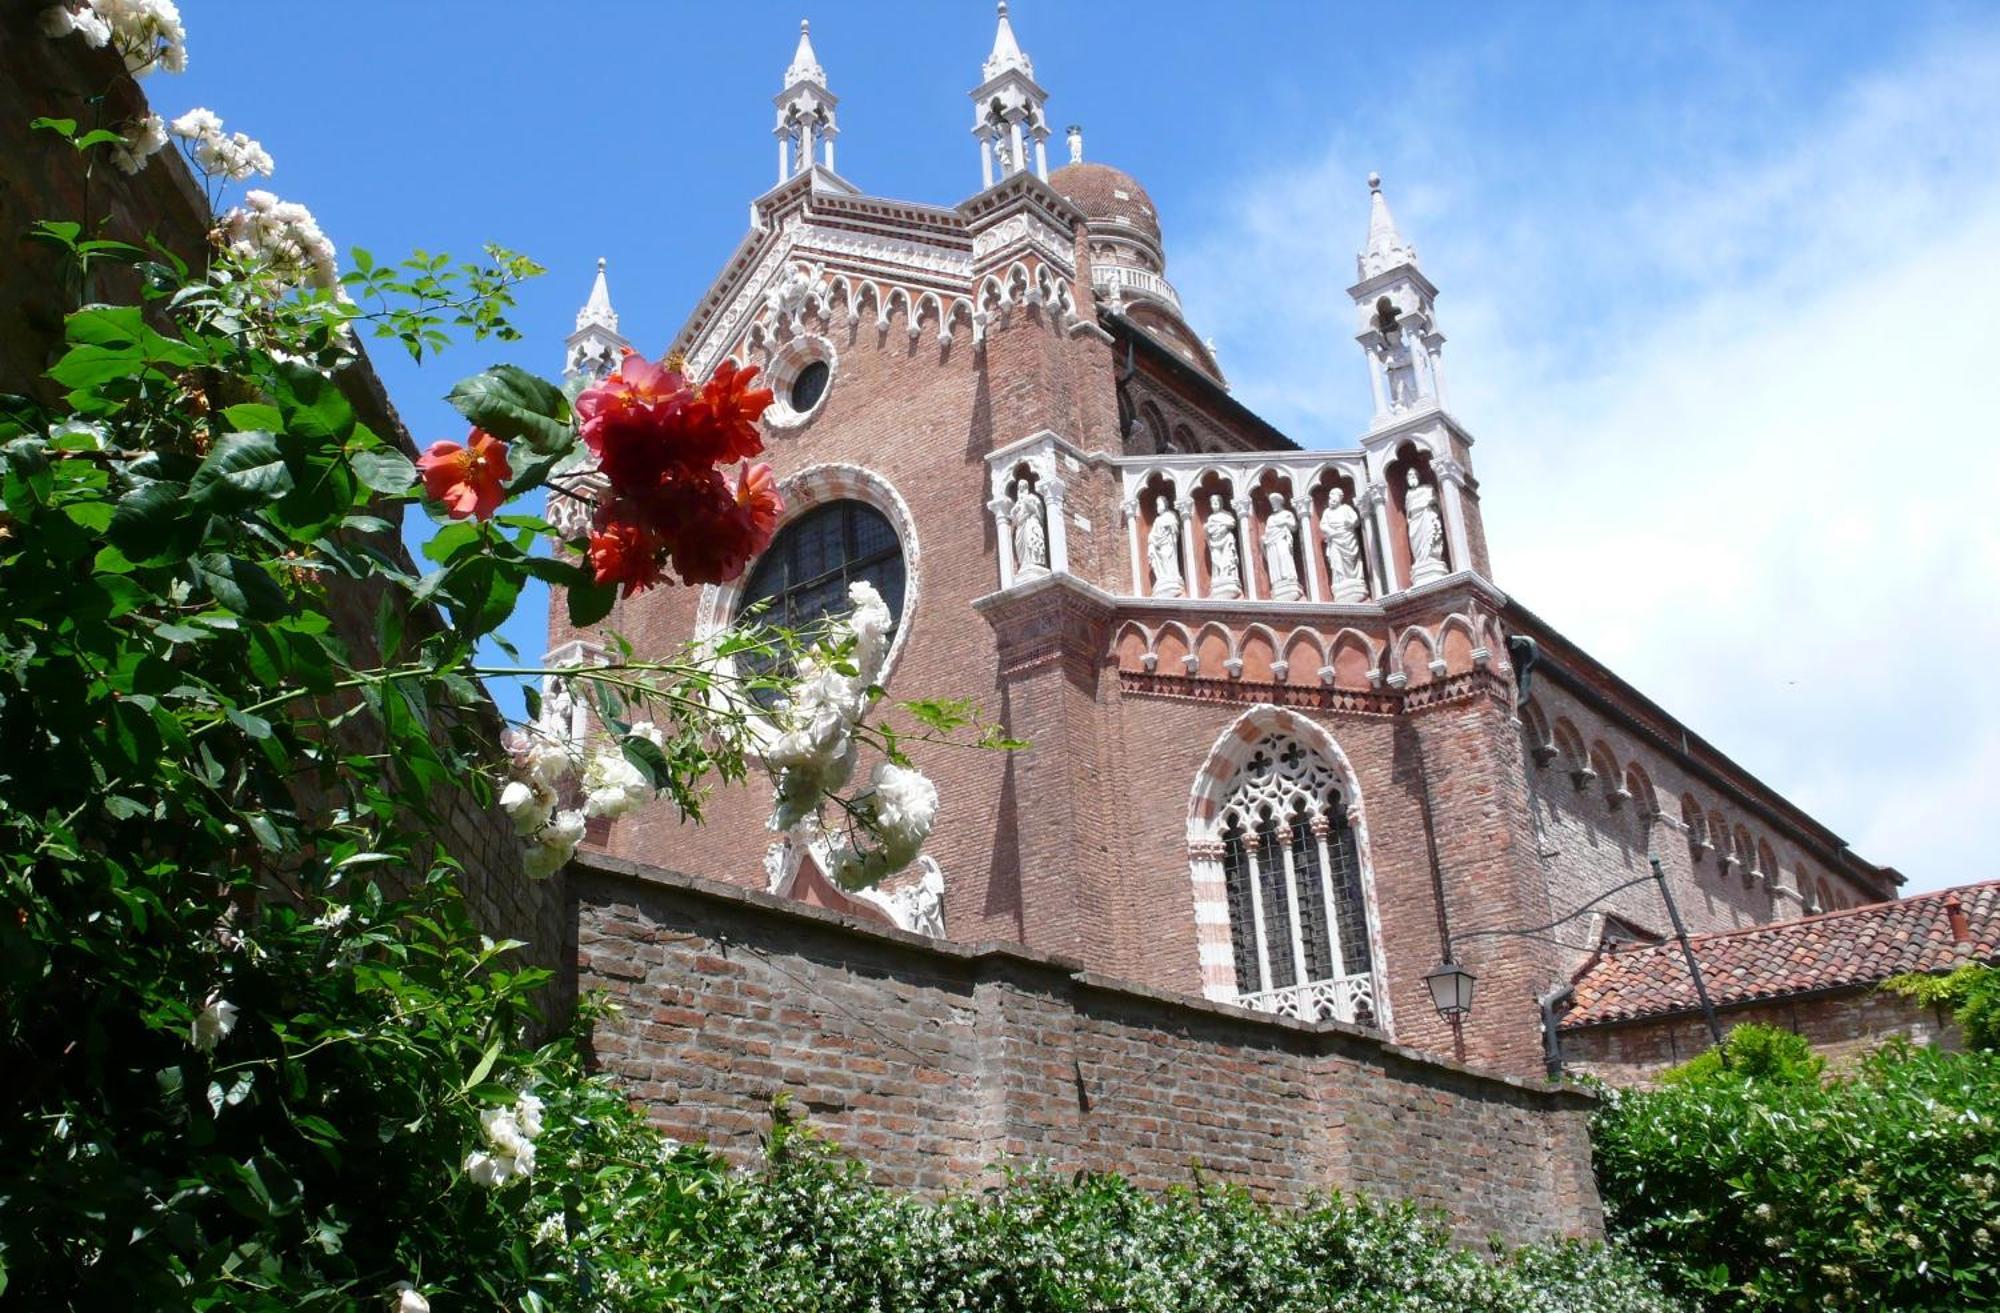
(933, 1060)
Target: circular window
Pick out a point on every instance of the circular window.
(800, 373)
(805, 573)
(810, 385)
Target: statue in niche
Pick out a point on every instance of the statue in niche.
(1225, 577)
(1031, 532)
(1426, 529)
(1281, 557)
(1340, 529)
(1163, 550)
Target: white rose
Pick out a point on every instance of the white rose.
(213, 1023)
(408, 1299)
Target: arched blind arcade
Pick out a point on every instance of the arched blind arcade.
(1298, 918)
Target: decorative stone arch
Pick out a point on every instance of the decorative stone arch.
(1605, 766)
(1645, 799)
(1174, 650)
(1433, 667)
(1570, 744)
(1535, 728)
(1251, 662)
(1232, 663)
(1459, 646)
(1352, 640)
(1695, 822)
(813, 486)
(1233, 750)
(1304, 644)
(1132, 648)
(1767, 861)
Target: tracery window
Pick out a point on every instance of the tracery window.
(1298, 918)
(805, 572)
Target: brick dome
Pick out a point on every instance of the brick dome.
(1105, 194)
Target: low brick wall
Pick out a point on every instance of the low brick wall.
(934, 1060)
(1841, 1025)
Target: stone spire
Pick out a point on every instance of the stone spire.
(805, 64)
(1386, 247)
(1395, 306)
(806, 125)
(597, 310)
(1007, 55)
(1007, 111)
(593, 350)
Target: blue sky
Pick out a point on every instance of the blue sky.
(1722, 283)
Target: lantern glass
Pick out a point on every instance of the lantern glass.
(1451, 988)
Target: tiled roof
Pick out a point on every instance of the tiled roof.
(1855, 947)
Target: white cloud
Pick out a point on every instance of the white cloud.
(1740, 428)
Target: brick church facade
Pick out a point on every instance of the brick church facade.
(1291, 740)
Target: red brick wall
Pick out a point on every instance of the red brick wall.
(932, 1059)
(1841, 1027)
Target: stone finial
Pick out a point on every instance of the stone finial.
(1007, 54)
(805, 64)
(597, 309)
(1386, 247)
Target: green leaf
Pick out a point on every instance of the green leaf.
(64, 128)
(486, 1062)
(242, 586)
(243, 470)
(146, 520)
(314, 406)
(511, 403)
(384, 470)
(451, 540)
(254, 415)
(591, 603)
(126, 596)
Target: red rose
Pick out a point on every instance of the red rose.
(469, 479)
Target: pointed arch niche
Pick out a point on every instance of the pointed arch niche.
(1283, 888)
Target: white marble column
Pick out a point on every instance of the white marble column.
(1250, 555)
(1315, 550)
(1004, 531)
(1451, 480)
(1188, 545)
(1132, 539)
(1058, 526)
(1377, 384)
(1385, 552)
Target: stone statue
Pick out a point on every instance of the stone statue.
(1340, 529)
(1426, 530)
(1163, 550)
(1225, 578)
(1031, 532)
(919, 907)
(1281, 557)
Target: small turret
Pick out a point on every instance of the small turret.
(1008, 118)
(806, 124)
(593, 350)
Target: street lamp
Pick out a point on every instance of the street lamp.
(1451, 989)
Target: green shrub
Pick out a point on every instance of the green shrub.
(1877, 1190)
(810, 1233)
(1972, 993)
(1756, 1052)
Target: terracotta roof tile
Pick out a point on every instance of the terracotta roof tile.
(1858, 946)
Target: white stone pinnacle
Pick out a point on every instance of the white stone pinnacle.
(805, 64)
(1386, 247)
(1007, 54)
(597, 310)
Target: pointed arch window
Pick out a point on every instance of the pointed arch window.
(1291, 873)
